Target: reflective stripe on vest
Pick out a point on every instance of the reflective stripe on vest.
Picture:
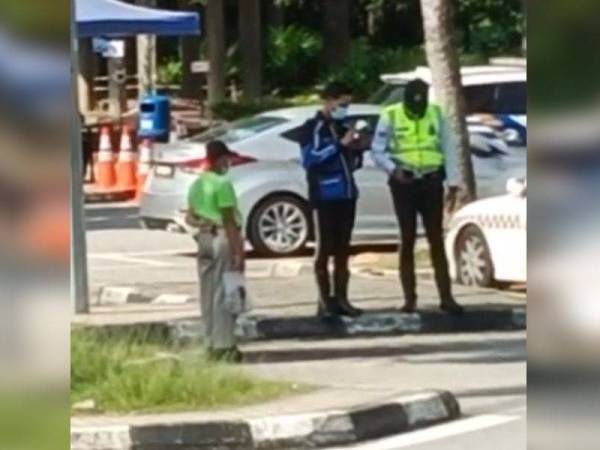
(416, 143)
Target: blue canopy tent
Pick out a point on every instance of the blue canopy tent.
(112, 18)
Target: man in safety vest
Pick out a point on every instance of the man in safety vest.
(414, 145)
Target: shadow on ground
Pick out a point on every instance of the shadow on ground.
(488, 351)
(111, 218)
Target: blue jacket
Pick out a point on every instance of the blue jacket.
(329, 165)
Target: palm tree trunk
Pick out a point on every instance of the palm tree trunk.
(215, 35)
(443, 58)
(250, 47)
(524, 42)
(191, 83)
(336, 31)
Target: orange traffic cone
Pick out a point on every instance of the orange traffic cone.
(105, 166)
(144, 165)
(126, 176)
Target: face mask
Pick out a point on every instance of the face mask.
(416, 100)
(225, 166)
(339, 112)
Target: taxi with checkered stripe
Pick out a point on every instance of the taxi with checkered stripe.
(487, 239)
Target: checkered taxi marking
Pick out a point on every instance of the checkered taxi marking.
(495, 221)
(503, 221)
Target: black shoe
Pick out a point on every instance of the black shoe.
(451, 307)
(346, 309)
(328, 308)
(410, 306)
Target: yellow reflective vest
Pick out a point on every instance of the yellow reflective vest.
(415, 144)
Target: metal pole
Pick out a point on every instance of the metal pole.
(79, 281)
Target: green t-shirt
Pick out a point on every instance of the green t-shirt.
(210, 194)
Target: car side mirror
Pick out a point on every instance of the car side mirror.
(516, 187)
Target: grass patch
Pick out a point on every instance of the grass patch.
(124, 374)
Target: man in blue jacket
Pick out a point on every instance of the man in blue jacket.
(331, 152)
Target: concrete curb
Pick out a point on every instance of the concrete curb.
(95, 195)
(254, 328)
(289, 432)
(258, 328)
(119, 295)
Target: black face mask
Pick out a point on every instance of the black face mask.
(416, 98)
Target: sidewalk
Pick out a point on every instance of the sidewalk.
(362, 391)
(284, 289)
(311, 421)
(357, 381)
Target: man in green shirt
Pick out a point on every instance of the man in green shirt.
(212, 208)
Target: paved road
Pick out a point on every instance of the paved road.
(487, 371)
(503, 430)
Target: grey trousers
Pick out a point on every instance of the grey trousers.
(214, 259)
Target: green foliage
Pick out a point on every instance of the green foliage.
(170, 72)
(491, 26)
(123, 374)
(565, 56)
(292, 58)
(230, 110)
(365, 64)
(37, 19)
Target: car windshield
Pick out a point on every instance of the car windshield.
(388, 94)
(239, 130)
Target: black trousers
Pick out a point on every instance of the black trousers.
(334, 225)
(425, 197)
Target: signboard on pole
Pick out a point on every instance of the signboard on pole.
(109, 48)
(200, 66)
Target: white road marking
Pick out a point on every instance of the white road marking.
(130, 259)
(436, 433)
(172, 252)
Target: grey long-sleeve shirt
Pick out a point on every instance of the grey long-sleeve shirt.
(382, 158)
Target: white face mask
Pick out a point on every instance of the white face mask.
(226, 166)
(339, 112)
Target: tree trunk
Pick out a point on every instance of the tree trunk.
(275, 14)
(215, 35)
(336, 31)
(191, 83)
(250, 47)
(524, 41)
(443, 58)
(146, 58)
(374, 15)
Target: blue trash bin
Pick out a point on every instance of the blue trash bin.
(155, 118)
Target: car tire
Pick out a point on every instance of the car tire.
(280, 226)
(474, 265)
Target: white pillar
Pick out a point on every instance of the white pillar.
(146, 57)
(146, 63)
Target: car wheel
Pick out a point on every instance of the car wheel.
(473, 261)
(279, 226)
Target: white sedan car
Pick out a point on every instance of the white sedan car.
(487, 239)
(271, 183)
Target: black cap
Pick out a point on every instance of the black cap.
(335, 90)
(216, 150)
(416, 97)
